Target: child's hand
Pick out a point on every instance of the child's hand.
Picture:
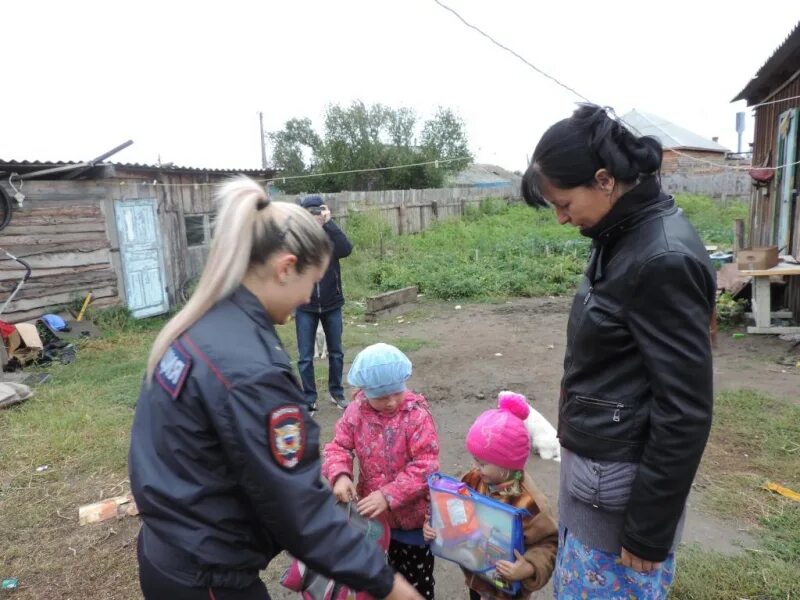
(373, 505)
(428, 532)
(344, 490)
(516, 571)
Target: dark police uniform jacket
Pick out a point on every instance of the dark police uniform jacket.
(224, 462)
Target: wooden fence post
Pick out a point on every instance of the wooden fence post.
(401, 219)
(435, 209)
(738, 234)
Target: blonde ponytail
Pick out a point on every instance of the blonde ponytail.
(249, 229)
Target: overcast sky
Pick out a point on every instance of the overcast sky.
(186, 80)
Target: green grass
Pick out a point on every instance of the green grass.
(498, 250)
(713, 219)
(754, 439)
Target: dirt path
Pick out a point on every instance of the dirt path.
(460, 372)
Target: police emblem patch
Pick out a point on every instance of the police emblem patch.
(173, 369)
(287, 436)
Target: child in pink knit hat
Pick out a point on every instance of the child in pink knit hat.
(500, 444)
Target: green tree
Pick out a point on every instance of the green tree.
(362, 137)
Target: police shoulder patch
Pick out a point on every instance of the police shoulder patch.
(173, 369)
(287, 435)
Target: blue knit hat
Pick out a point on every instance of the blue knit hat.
(380, 370)
(311, 201)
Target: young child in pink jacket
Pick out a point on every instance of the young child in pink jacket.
(392, 433)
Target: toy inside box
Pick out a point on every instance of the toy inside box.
(474, 530)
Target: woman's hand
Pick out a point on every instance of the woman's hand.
(373, 505)
(402, 590)
(638, 564)
(428, 532)
(516, 571)
(344, 490)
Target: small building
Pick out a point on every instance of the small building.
(679, 144)
(130, 233)
(774, 95)
(486, 177)
(693, 164)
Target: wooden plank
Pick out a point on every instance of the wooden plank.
(54, 238)
(112, 508)
(738, 234)
(57, 259)
(15, 274)
(773, 330)
(390, 299)
(28, 250)
(777, 271)
(35, 288)
(56, 299)
(775, 314)
(43, 208)
(19, 229)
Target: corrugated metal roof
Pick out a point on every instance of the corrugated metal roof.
(482, 174)
(670, 135)
(27, 166)
(784, 62)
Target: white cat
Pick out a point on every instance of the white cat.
(544, 439)
(320, 344)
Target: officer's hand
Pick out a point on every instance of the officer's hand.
(373, 505)
(402, 590)
(325, 214)
(344, 490)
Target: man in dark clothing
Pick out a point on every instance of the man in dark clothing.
(325, 308)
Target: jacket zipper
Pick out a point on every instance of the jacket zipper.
(319, 300)
(588, 295)
(617, 406)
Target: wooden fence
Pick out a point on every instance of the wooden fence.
(411, 211)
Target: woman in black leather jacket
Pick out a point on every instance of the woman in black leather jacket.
(636, 398)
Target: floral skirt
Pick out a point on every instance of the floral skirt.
(583, 573)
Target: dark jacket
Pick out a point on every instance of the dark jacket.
(224, 462)
(637, 381)
(327, 293)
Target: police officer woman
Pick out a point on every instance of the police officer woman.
(224, 458)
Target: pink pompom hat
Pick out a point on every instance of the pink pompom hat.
(499, 436)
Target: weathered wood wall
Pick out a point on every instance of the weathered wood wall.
(61, 232)
(763, 200)
(67, 231)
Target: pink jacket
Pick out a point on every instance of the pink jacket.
(396, 453)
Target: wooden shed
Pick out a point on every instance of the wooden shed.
(774, 94)
(128, 233)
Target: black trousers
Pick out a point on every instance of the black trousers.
(415, 563)
(157, 586)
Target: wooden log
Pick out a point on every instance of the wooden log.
(118, 507)
(391, 299)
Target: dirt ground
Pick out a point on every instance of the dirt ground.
(460, 373)
(458, 368)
